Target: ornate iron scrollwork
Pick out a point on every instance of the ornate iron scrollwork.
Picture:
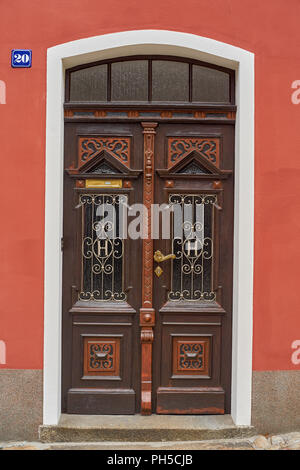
(192, 244)
(101, 356)
(191, 356)
(102, 248)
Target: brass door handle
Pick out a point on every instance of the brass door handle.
(159, 257)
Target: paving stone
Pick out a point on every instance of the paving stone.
(277, 442)
(21, 448)
(289, 441)
(261, 442)
(152, 446)
(292, 440)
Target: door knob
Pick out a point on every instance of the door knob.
(159, 257)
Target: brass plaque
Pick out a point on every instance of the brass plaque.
(97, 183)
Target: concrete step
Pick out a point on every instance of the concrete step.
(137, 428)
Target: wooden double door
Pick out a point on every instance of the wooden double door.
(147, 267)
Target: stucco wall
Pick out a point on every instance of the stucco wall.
(269, 29)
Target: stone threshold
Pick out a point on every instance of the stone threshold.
(137, 428)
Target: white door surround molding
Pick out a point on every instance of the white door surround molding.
(167, 43)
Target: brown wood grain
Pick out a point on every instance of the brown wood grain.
(147, 313)
(147, 381)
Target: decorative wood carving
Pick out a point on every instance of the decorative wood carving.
(80, 184)
(191, 356)
(166, 114)
(231, 115)
(169, 184)
(118, 147)
(147, 313)
(101, 356)
(69, 113)
(180, 147)
(199, 114)
(127, 184)
(91, 112)
(133, 113)
(100, 113)
(217, 185)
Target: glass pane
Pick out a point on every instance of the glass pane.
(89, 84)
(192, 244)
(103, 217)
(129, 81)
(193, 169)
(104, 169)
(210, 85)
(170, 81)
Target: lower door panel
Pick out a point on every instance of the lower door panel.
(190, 375)
(103, 361)
(101, 401)
(190, 401)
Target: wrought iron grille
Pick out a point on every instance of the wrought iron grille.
(192, 244)
(102, 254)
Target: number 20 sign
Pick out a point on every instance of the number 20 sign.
(21, 58)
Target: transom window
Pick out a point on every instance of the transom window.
(155, 79)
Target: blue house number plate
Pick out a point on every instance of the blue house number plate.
(21, 58)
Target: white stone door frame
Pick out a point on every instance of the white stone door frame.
(168, 43)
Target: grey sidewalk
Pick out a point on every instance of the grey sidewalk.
(289, 441)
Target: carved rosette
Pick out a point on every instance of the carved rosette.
(147, 313)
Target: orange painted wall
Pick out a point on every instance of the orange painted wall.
(270, 29)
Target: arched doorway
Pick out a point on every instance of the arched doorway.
(144, 331)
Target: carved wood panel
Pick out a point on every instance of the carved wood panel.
(192, 346)
(147, 313)
(191, 355)
(183, 369)
(180, 147)
(101, 373)
(101, 356)
(89, 147)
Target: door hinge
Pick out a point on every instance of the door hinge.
(62, 243)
